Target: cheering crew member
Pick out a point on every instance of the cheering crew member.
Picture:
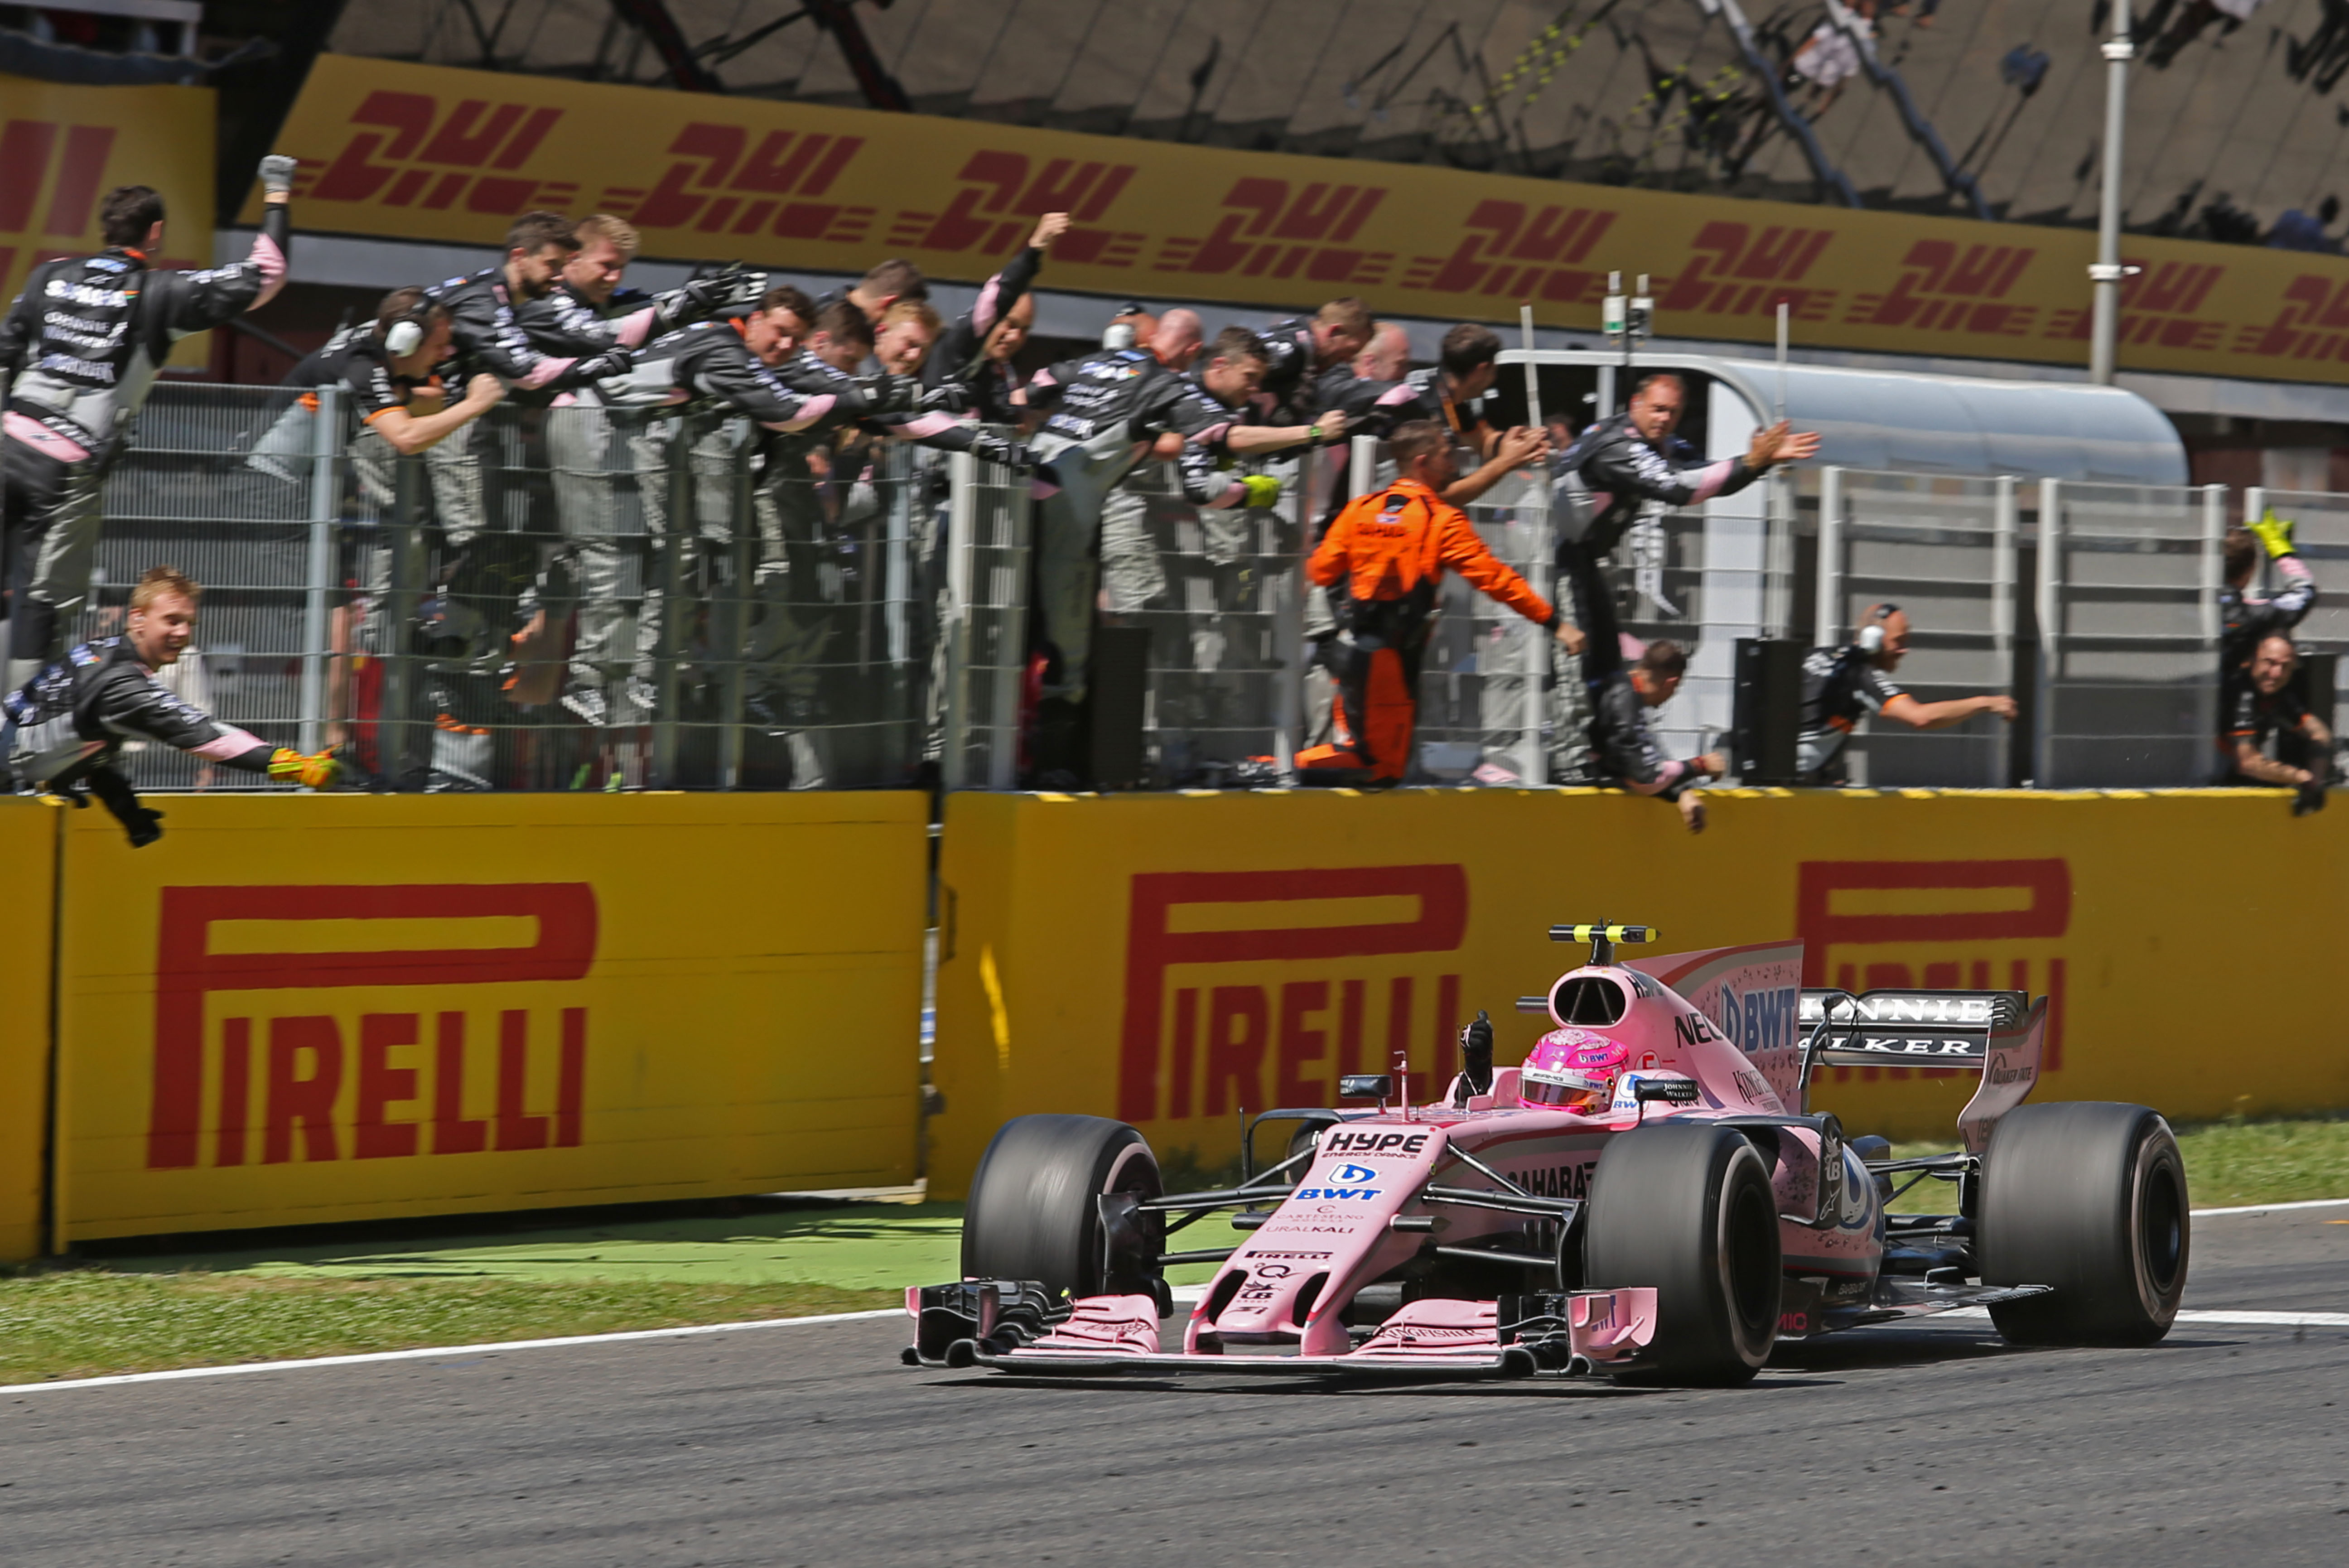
(1298, 352)
(593, 453)
(1378, 392)
(1381, 561)
(976, 350)
(66, 727)
(2264, 711)
(2248, 617)
(1103, 412)
(1625, 752)
(83, 344)
(1841, 686)
(877, 290)
(1602, 481)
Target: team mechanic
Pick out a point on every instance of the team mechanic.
(79, 351)
(1381, 561)
(66, 727)
(2262, 711)
(2248, 619)
(1841, 686)
(1600, 484)
(594, 452)
(1103, 412)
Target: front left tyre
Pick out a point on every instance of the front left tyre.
(1035, 1210)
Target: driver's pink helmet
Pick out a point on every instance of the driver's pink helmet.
(1573, 1069)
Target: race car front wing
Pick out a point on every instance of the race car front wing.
(1012, 1326)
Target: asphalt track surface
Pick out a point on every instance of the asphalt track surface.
(809, 1445)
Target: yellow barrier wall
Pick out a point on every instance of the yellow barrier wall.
(29, 849)
(1167, 960)
(341, 1007)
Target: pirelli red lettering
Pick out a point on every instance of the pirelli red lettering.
(306, 1056)
(1240, 1037)
(2043, 901)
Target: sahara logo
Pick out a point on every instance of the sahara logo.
(320, 1055)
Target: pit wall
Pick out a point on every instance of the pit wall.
(1168, 961)
(296, 1010)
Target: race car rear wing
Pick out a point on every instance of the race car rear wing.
(2000, 1032)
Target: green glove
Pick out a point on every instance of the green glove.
(2275, 533)
(1262, 489)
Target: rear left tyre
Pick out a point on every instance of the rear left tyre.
(1034, 1209)
(2090, 1197)
(1686, 1208)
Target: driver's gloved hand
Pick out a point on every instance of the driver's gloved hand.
(1477, 1056)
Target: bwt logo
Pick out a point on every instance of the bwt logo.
(306, 1059)
(1988, 906)
(1271, 228)
(421, 156)
(1004, 193)
(1503, 235)
(721, 182)
(1737, 272)
(1760, 1019)
(1241, 1036)
(1948, 289)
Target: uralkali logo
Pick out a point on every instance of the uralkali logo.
(306, 1054)
(1227, 1043)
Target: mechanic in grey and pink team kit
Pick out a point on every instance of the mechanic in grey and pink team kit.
(1841, 686)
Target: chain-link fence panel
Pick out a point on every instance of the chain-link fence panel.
(1942, 549)
(2128, 601)
(982, 647)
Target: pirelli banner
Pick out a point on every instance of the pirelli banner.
(62, 148)
(426, 152)
(29, 849)
(1172, 961)
(350, 1007)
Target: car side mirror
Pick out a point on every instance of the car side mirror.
(1675, 1091)
(1366, 1086)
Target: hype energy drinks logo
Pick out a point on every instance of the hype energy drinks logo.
(1204, 1035)
(405, 1069)
(1955, 925)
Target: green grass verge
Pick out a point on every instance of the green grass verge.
(2227, 1164)
(84, 1322)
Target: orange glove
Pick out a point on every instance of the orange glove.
(290, 766)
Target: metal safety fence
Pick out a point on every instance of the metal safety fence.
(591, 597)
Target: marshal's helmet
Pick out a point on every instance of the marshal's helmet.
(1572, 1069)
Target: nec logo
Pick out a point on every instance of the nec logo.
(1004, 193)
(314, 1060)
(430, 159)
(721, 181)
(1273, 229)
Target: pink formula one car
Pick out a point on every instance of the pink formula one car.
(1647, 1197)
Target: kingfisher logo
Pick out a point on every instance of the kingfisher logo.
(334, 1082)
(1282, 1044)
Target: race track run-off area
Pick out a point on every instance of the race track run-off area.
(808, 1444)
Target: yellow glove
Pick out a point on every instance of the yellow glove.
(2275, 533)
(1262, 489)
(290, 766)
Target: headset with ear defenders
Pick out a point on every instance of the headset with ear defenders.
(405, 335)
(1871, 636)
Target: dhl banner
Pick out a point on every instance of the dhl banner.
(27, 849)
(62, 148)
(350, 1007)
(426, 152)
(1171, 961)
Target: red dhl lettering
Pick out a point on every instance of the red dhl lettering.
(1278, 229)
(420, 157)
(1238, 1018)
(1734, 254)
(1005, 193)
(712, 159)
(1945, 287)
(1501, 232)
(28, 148)
(188, 970)
(2046, 914)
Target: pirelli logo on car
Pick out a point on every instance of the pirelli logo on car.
(374, 1047)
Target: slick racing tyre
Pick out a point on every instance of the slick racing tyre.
(2090, 1197)
(1035, 1211)
(1686, 1208)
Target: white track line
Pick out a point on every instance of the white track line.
(2220, 1317)
(2273, 1208)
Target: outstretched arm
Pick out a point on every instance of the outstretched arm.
(1918, 715)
